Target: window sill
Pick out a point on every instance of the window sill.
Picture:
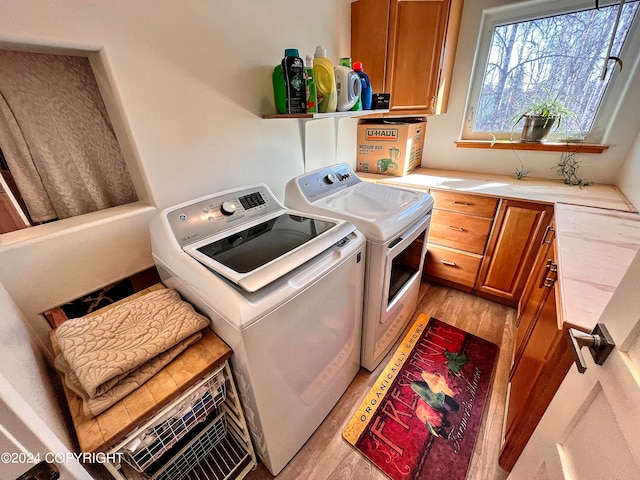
(542, 147)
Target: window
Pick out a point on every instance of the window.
(526, 54)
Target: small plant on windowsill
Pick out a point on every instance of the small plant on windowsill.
(540, 117)
(567, 168)
(520, 172)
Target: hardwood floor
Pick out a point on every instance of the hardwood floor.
(327, 456)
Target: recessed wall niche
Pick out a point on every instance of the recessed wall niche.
(60, 155)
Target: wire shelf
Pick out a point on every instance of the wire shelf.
(156, 439)
(213, 455)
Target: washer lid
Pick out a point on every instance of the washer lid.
(258, 253)
(380, 212)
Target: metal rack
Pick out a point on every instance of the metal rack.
(201, 435)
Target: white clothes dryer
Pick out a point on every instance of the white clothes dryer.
(396, 223)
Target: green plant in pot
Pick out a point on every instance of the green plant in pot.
(540, 117)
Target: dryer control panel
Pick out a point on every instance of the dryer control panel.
(211, 215)
(320, 183)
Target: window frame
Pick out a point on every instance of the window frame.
(518, 12)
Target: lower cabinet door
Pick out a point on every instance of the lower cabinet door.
(514, 242)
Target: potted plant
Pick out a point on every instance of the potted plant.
(540, 117)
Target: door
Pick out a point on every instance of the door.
(25, 440)
(590, 430)
(27, 431)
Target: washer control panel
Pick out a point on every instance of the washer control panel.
(323, 182)
(215, 214)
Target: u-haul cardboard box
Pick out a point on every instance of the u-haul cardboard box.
(390, 146)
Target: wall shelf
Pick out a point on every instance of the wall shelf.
(314, 116)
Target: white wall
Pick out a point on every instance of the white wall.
(443, 131)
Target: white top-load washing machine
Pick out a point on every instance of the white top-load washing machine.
(285, 290)
(396, 223)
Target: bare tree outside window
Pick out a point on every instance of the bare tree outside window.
(561, 55)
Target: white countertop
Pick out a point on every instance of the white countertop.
(597, 231)
(595, 249)
(539, 190)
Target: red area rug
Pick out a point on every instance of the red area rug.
(421, 418)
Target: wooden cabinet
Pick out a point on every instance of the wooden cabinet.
(407, 48)
(484, 245)
(511, 251)
(460, 226)
(504, 249)
(541, 356)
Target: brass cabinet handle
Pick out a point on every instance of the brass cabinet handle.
(455, 202)
(460, 229)
(448, 262)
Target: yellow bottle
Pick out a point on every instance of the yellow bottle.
(325, 81)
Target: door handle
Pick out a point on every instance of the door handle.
(599, 341)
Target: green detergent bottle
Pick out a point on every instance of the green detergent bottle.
(289, 86)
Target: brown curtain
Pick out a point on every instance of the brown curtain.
(57, 138)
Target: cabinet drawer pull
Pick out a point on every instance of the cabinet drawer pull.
(546, 232)
(460, 229)
(466, 204)
(550, 274)
(448, 262)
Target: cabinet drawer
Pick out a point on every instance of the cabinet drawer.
(457, 230)
(453, 265)
(464, 203)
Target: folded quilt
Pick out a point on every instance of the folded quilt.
(99, 352)
(125, 385)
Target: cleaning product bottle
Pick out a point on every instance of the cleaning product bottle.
(289, 87)
(325, 81)
(348, 87)
(312, 94)
(346, 61)
(367, 91)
